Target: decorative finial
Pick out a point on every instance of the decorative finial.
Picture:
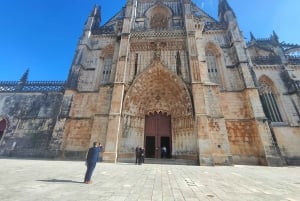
(24, 77)
(252, 36)
(275, 37)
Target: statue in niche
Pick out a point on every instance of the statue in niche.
(157, 55)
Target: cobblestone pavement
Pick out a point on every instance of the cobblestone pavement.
(43, 180)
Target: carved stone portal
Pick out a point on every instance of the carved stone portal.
(159, 91)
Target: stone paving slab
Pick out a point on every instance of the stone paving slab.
(43, 180)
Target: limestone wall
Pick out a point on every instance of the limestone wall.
(234, 106)
(31, 119)
(87, 121)
(288, 140)
(245, 142)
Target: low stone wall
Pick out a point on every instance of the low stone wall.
(288, 140)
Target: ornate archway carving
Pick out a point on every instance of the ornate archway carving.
(158, 90)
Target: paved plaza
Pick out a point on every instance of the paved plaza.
(44, 180)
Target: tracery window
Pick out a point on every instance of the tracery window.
(159, 21)
(212, 66)
(106, 70)
(269, 100)
(158, 17)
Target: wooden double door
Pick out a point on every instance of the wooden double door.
(157, 135)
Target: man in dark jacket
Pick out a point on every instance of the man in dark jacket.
(91, 161)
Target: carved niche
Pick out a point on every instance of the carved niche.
(159, 21)
(159, 17)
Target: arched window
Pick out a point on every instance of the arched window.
(158, 17)
(159, 21)
(212, 66)
(107, 64)
(269, 101)
(107, 58)
(3, 125)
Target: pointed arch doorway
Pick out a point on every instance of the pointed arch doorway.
(157, 135)
(3, 125)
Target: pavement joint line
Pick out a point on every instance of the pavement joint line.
(49, 180)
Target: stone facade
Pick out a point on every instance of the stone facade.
(165, 73)
(29, 122)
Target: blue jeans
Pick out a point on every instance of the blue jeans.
(89, 171)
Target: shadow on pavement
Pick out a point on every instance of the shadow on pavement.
(60, 180)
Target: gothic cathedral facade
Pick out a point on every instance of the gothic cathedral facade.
(163, 73)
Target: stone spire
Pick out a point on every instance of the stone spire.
(225, 11)
(24, 77)
(274, 37)
(94, 19)
(252, 38)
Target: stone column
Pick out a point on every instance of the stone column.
(114, 124)
(201, 126)
(114, 119)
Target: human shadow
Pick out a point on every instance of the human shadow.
(60, 181)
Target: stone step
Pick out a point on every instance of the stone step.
(170, 161)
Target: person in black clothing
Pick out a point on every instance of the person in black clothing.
(137, 154)
(142, 155)
(91, 161)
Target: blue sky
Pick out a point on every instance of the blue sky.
(42, 34)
